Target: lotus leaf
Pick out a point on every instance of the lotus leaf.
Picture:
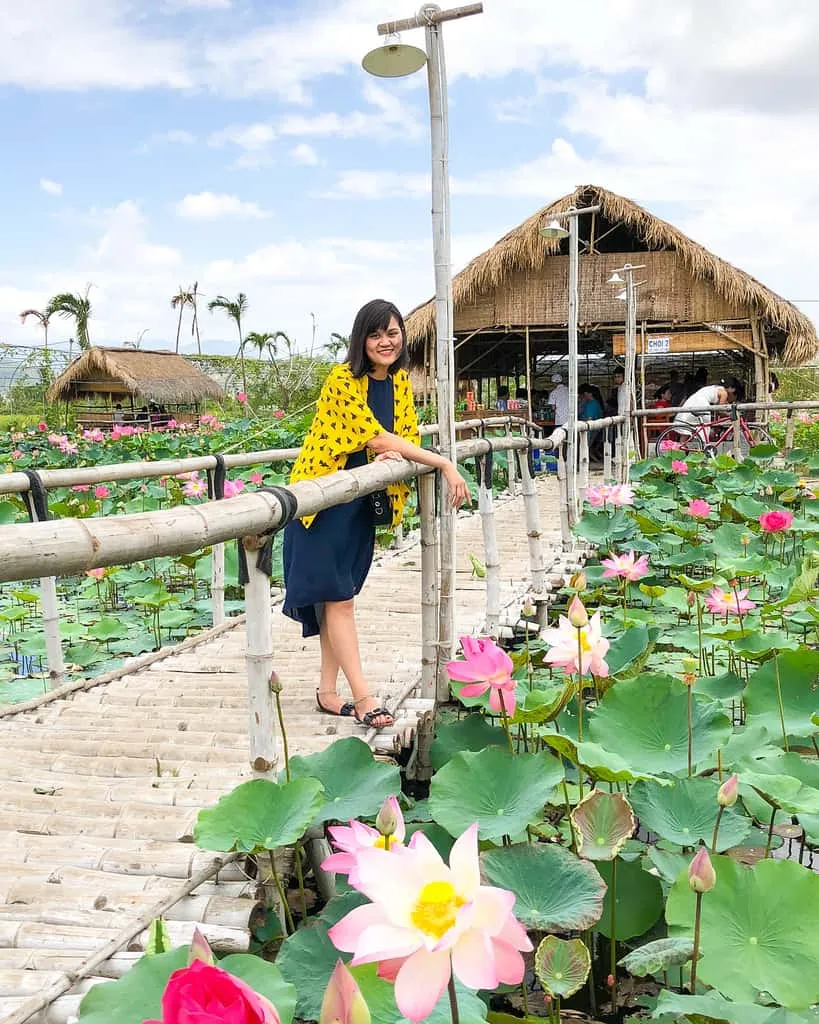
(656, 957)
(639, 899)
(686, 812)
(798, 676)
(562, 965)
(602, 823)
(473, 732)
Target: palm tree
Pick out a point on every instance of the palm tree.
(195, 321)
(260, 340)
(337, 344)
(78, 307)
(43, 316)
(179, 301)
(235, 309)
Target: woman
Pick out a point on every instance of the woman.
(365, 412)
(662, 397)
(728, 391)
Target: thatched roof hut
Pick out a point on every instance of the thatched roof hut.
(133, 374)
(695, 300)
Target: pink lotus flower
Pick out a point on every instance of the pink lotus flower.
(208, 995)
(621, 494)
(670, 446)
(81, 487)
(596, 496)
(626, 567)
(564, 652)
(96, 574)
(17, 454)
(93, 435)
(278, 414)
(776, 521)
(486, 667)
(171, 424)
(343, 1002)
(42, 427)
(241, 397)
(192, 474)
(699, 509)
(256, 479)
(428, 921)
(195, 488)
(722, 602)
(233, 487)
(680, 467)
(101, 491)
(350, 840)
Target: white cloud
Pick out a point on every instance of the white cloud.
(304, 153)
(251, 137)
(53, 188)
(213, 206)
(172, 137)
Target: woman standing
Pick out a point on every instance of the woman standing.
(728, 391)
(365, 412)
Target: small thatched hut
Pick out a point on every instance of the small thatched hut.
(101, 378)
(693, 308)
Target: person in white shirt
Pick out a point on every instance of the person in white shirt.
(559, 399)
(727, 392)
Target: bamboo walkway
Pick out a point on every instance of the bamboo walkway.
(101, 789)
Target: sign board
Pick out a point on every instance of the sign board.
(688, 341)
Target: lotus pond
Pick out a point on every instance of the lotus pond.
(622, 816)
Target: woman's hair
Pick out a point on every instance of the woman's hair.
(374, 316)
(736, 386)
(661, 390)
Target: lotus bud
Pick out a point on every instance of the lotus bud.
(200, 950)
(343, 1002)
(745, 539)
(386, 821)
(769, 490)
(577, 614)
(275, 682)
(728, 792)
(701, 874)
(802, 483)
(733, 584)
(610, 981)
(529, 608)
(691, 597)
(578, 581)
(690, 665)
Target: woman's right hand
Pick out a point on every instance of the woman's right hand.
(457, 486)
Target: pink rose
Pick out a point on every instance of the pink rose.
(776, 521)
(209, 995)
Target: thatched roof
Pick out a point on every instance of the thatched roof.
(162, 377)
(524, 249)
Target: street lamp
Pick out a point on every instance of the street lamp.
(555, 230)
(392, 60)
(625, 408)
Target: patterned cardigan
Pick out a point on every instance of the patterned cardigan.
(344, 423)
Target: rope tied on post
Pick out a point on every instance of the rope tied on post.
(264, 560)
(216, 479)
(35, 498)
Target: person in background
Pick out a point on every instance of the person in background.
(700, 378)
(677, 387)
(590, 407)
(728, 391)
(559, 400)
(119, 415)
(688, 387)
(503, 399)
(773, 384)
(662, 397)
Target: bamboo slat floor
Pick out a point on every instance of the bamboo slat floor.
(101, 789)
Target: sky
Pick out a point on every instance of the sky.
(149, 144)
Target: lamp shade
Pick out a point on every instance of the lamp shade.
(394, 60)
(615, 279)
(622, 296)
(554, 229)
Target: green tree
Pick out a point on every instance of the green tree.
(260, 340)
(76, 307)
(235, 309)
(43, 316)
(337, 345)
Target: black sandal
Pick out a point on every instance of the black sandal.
(367, 719)
(347, 710)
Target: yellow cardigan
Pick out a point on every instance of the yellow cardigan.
(344, 423)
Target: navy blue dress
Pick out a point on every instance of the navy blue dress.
(330, 560)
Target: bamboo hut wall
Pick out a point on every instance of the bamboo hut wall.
(670, 294)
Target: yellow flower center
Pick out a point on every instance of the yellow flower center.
(381, 843)
(585, 646)
(436, 909)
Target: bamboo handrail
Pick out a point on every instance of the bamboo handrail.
(739, 406)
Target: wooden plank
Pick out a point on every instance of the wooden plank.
(661, 343)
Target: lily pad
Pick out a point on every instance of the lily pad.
(562, 965)
(639, 899)
(555, 890)
(758, 930)
(602, 765)
(259, 815)
(686, 813)
(656, 957)
(473, 732)
(709, 1007)
(355, 785)
(602, 823)
(501, 792)
(644, 720)
(798, 676)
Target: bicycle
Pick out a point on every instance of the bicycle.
(711, 436)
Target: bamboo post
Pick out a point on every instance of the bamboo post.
(532, 513)
(736, 436)
(429, 586)
(486, 509)
(563, 491)
(51, 622)
(789, 429)
(529, 376)
(513, 475)
(607, 455)
(583, 474)
(217, 583)
(760, 368)
(259, 626)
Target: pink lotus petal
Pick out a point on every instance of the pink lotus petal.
(421, 982)
(492, 908)
(385, 942)
(347, 932)
(464, 672)
(509, 700)
(472, 961)
(463, 862)
(388, 969)
(509, 963)
(474, 689)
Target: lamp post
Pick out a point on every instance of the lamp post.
(394, 60)
(629, 296)
(554, 230)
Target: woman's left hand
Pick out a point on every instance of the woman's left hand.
(388, 457)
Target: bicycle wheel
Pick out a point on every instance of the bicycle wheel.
(758, 435)
(678, 439)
